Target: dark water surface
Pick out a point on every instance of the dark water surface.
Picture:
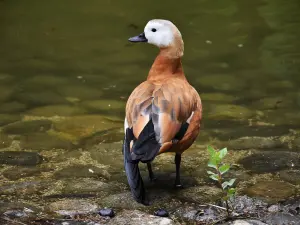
(66, 70)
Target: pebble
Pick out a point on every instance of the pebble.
(107, 212)
(161, 213)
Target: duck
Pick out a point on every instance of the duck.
(163, 113)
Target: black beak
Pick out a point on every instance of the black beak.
(140, 38)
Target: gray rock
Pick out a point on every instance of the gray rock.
(20, 158)
(265, 162)
(71, 207)
(122, 200)
(82, 171)
(245, 222)
(250, 206)
(282, 218)
(255, 143)
(44, 141)
(137, 217)
(25, 127)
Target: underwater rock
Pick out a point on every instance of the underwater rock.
(272, 103)
(6, 93)
(222, 82)
(5, 141)
(42, 98)
(44, 141)
(12, 107)
(25, 127)
(122, 200)
(266, 162)
(20, 158)
(8, 118)
(271, 191)
(227, 111)
(255, 143)
(71, 207)
(81, 92)
(103, 105)
(56, 110)
(78, 127)
(23, 188)
(291, 176)
(44, 80)
(218, 97)
(82, 171)
(6, 78)
(21, 172)
(137, 217)
(296, 143)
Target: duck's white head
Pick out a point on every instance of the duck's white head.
(161, 33)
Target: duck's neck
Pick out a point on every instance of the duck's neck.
(167, 64)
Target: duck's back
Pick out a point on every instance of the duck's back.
(168, 104)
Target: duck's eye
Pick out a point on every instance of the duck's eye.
(153, 30)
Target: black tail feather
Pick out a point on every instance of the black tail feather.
(134, 178)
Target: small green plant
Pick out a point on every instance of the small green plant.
(215, 162)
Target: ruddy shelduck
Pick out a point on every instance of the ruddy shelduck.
(163, 113)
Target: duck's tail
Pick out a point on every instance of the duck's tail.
(144, 149)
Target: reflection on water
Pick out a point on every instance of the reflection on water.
(66, 70)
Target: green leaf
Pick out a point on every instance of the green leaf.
(231, 191)
(230, 183)
(212, 163)
(211, 150)
(222, 153)
(224, 168)
(214, 177)
(211, 173)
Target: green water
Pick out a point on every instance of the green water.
(69, 63)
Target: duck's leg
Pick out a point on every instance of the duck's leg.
(177, 163)
(151, 174)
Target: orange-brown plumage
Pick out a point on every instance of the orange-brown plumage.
(164, 110)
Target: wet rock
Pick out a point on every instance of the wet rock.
(81, 92)
(271, 191)
(82, 171)
(137, 217)
(42, 98)
(79, 127)
(25, 127)
(89, 185)
(201, 194)
(23, 188)
(21, 172)
(227, 111)
(71, 207)
(103, 105)
(246, 205)
(291, 176)
(265, 162)
(8, 118)
(44, 141)
(20, 158)
(5, 141)
(56, 110)
(6, 78)
(202, 215)
(122, 200)
(218, 97)
(245, 222)
(15, 213)
(255, 143)
(107, 212)
(161, 213)
(12, 107)
(282, 218)
(6, 93)
(44, 80)
(274, 208)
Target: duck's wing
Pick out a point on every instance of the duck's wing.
(169, 105)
